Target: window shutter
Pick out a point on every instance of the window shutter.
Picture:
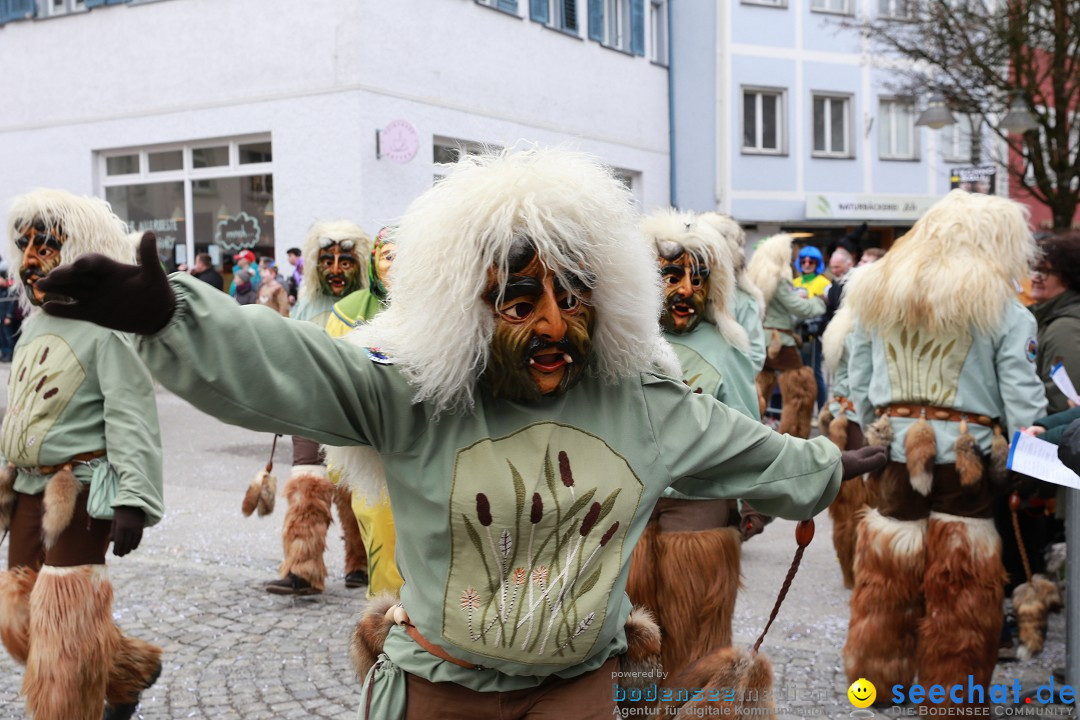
(637, 27)
(569, 17)
(116, 2)
(596, 20)
(538, 10)
(94, 3)
(17, 10)
(507, 5)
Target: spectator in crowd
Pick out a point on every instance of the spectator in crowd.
(841, 260)
(204, 270)
(1055, 288)
(296, 259)
(811, 282)
(870, 255)
(272, 292)
(245, 260)
(1069, 449)
(7, 303)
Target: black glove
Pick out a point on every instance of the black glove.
(1069, 449)
(128, 298)
(864, 460)
(127, 527)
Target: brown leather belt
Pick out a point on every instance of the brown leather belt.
(786, 332)
(933, 412)
(435, 649)
(80, 458)
(845, 403)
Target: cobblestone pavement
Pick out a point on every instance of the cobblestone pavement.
(233, 651)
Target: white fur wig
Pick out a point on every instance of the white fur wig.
(88, 224)
(955, 268)
(770, 264)
(702, 240)
(335, 230)
(736, 239)
(580, 218)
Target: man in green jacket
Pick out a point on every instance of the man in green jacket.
(83, 454)
(510, 389)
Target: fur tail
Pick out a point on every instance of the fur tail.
(370, 633)
(920, 447)
(60, 496)
(742, 681)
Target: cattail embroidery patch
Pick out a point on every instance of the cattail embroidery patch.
(538, 521)
(45, 376)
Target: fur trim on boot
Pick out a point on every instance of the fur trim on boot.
(964, 587)
(303, 535)
(845, 512)
(642, 584)
(355, 553)
(799, 390)
(969, 464)
(880, 433)
(886, 604)
(72, 643)
(741, 680)
(766, 382)
(370, 632)
(1033, 602)
(920, 448)
(697, 579)
(15, 588)
(136, 666)
(7, 495)
(60, 496)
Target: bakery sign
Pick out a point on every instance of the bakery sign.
(237, 232)
(397, 142)
(851, 206)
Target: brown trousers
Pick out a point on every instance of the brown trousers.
(83, 542)
(586, 697)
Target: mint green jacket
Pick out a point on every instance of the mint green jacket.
(748, 315)
(787, 307)
(78, 388)
(515, 520)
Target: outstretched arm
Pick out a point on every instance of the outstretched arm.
(245, 365)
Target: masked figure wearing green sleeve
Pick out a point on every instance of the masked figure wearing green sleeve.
(80, 437)
(690, 551)
(335, 266)
(941, 373)
(510, 390)
(770, 270)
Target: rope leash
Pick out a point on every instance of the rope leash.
(804, 534)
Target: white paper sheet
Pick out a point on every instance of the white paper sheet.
(1031, 456)
(1064, 382)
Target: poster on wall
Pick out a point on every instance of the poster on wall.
(976, 179)
(237, 232)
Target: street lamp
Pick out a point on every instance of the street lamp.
(936, 115)
(1019, 119)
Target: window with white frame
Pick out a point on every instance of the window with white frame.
(213, 196)
(896, 130)
(896, 9)
(51, 8)
(763, 126)
(833, 6)
(956, 139)
(509, 6)
(768, 3)
(617, 24)
(832, 125)
(658, 31)
(562, 15)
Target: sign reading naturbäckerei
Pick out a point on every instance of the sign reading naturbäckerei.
(850, 206)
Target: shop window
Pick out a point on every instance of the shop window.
(259, 152)
(165, 161)
(155, 207)
(122, 165)
(205, 157)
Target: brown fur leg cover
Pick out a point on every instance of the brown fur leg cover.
(15, 588)
(355, 553)
(698, 578)
(964, 588)
(307, 520)
(60, 495)
(765, 381)
(734, 683)
(845, 514)
(370, 632)
(135, 667)
(886, 604)
(799, 390)
(642, 583)
(7, 495)
(1033, 602)
(72, 643)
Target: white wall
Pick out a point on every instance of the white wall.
(320, 76)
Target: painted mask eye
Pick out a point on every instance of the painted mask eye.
(569, 301)
(672, 279)
(518, 310)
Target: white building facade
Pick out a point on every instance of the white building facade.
(785, 120)
(230, 125)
